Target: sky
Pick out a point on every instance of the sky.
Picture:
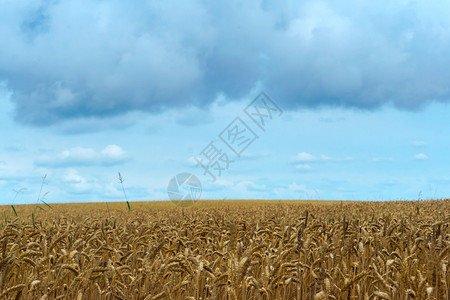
(328, 100)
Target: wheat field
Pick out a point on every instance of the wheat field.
(227, 250)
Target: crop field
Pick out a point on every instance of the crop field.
(226, 250)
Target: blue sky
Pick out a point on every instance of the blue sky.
(90, 89)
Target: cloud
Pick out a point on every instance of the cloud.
(78, 184)
(304, 157)
(79, 156)
(296, 191)
(418, 143)
(102, 59)
(245, 187)
(420, 156)
(324, 157)
(303, 167)
(303, 160)
(113, 154)
(296, 187)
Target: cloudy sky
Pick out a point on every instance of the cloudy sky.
(355, 104)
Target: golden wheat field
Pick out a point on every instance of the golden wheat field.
(227, 250)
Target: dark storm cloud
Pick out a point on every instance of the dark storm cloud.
(76, 59)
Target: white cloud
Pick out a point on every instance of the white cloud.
(223, 182)
(296, 191)
(112, 190)
(71, 176)
(304, 167)
(113, 152)
(79, 156)
(419, 143)
(421, 156)
(78, 184)
(304, 157)
(296, 187)
(247, 187)
(304, 160)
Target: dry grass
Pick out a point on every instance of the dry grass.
(227, 250)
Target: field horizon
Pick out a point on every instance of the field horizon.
(275, 201)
